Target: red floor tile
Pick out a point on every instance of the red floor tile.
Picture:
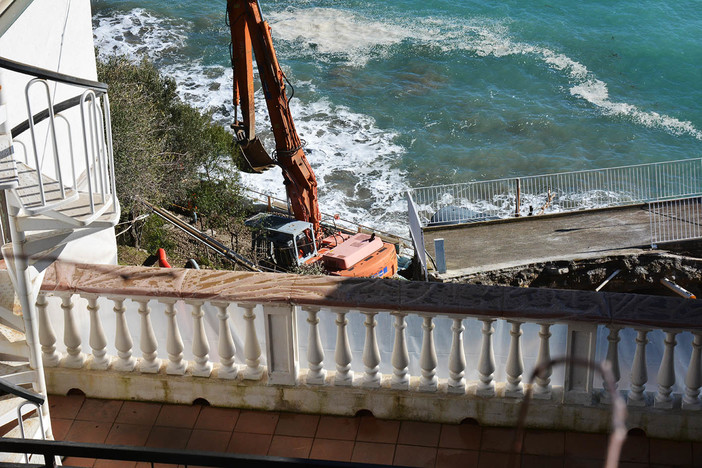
(371, 452)
(248, 443)
(460, 436)
(99, 410)
(670, 452)
(294, 447)
(697, 453)
(542, 461)
(128, 434)
(335, 450)
(573, 462)
(138, 412)
(583, 445)
(211, 441)
(494, 459)
(497, 439)
(168, 437)
(419, 433)
(414, 455)
(60, 427)
(452, 458)
(636, 450)
(378, 430)
(178, 416)
(65, 407)
(299, 425)
(217, 419)
(88, 431)
(75, 461)
(549, 443)
(257, 422)
(114, 464)
(338, 427)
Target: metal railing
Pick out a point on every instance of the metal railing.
(49, 140)
(675, 220)
(561, 192)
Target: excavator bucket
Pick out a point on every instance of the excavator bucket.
(256, 156)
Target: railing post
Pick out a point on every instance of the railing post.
(428, 382)
(542, 387)
(98, 341)
(342, 353)
(149, 363)
(371, 354)
(281, 343)
(74, 357)
(666, 373)
(486, 361)
(226, 349)
(581, 345)
(457, 359)
(47, 336)
(400, 356)
(639, 375)
(693, 379)
(252, 348)
(123, 339)
(202, 367)
(315, 353)
(515, 364)
(174, 343)
(613, 358)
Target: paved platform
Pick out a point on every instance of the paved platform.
(520, 241)
(359, 439)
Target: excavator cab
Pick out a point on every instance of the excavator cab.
(282, 243)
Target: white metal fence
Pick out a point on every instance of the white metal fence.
(562, 192)
(675, 220)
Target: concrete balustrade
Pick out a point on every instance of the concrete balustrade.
(452, 381)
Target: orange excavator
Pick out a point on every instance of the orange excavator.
(282, 242)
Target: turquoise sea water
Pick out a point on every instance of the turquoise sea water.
(407, 93)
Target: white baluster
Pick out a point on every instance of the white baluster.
(123, 339)
(613, 358)
(639, 375)
(400, 355)
(47, 336)
(693, 379)
(174, 343)
(226, 349)
(202, 367)
(428, 382)
(252, 348)
(98, 341)
(71, 337)
(486, 361)
(342, 353)
(515, 365)
(315, 353)
(666, 373)
(149, 363)
(457, 359)
(542, 387)
(371, 354)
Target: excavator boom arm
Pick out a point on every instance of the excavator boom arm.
(251, 36)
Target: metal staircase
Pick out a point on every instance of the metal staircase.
(58, 192)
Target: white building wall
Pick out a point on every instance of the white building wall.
(55, 35)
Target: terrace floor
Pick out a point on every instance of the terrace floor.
(358, 439)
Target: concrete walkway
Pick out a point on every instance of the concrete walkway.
(520, 241)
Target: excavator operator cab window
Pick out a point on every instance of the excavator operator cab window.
(305, 245)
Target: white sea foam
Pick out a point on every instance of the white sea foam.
(340, 144)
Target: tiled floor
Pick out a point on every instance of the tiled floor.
(359, 439)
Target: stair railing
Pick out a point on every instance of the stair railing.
(30, 398)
